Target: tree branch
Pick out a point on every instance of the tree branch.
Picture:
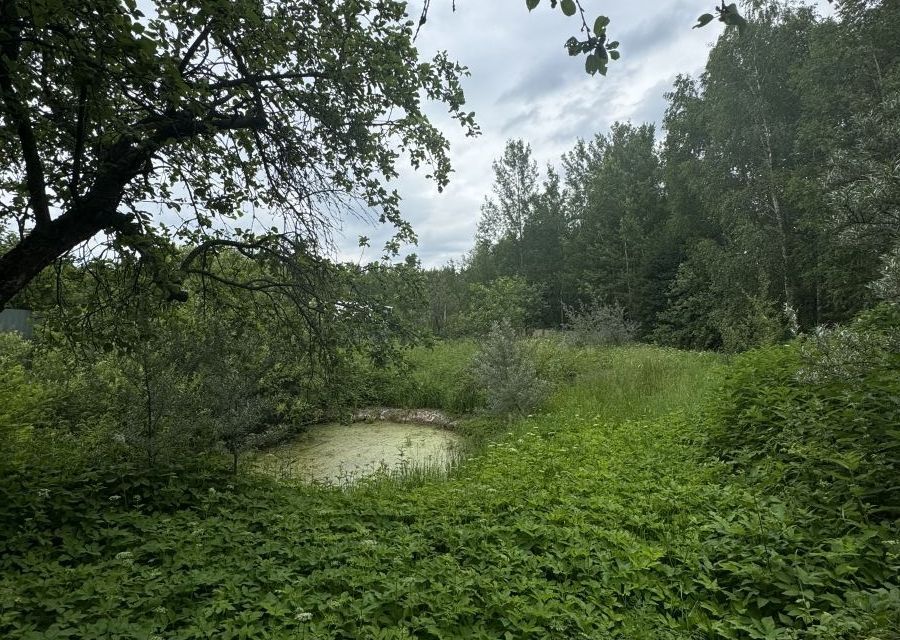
(194, 46)
(186, 125)
(78, 153)
(270, 77)
(34, 169)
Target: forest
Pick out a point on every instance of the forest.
(664, 383)
(768, 208)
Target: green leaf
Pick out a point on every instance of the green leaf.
(704, 20)
(568, 7)
(732, 17)
(614, 55)
(591, 64)
(600, 25)
(531, 4)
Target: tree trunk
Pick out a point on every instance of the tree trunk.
(783, 228)
(37, 250)
(96, 212)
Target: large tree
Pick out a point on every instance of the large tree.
(181, 122)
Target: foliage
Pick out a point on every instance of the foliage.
(604, 517)
(598, 51)
(442, 378)
(208, 111)
(21, 397)
(819, 419)
(504, 370)
(598, 324)
(506, 299)
(887, 287)
(506, 214)
(770, 208)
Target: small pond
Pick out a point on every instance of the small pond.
(340, 454)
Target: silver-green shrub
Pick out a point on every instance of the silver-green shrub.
(506, 373)
(598, 324)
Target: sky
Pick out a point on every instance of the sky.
(524, 85)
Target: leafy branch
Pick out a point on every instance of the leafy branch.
(727, 13)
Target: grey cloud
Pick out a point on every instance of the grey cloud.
(550, 73)
(653, 104)
(524, 85)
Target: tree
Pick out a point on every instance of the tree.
(506, 372)
(615, 195)
(543, 241)
(178, 126)
(505, 216)
(507, 299)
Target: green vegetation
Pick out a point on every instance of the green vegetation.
(766, 205)
(626, 508)
(600, 488)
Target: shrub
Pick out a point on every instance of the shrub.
(21, 396)
(887, 286)
(818, 418)
(506, 373)
(504, 299)
(598, 324)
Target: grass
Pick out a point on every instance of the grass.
(601, 516)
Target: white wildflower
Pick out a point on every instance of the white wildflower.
(303, 616)
(115, 498)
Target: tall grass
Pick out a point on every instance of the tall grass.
(613, 383)
(637, 381)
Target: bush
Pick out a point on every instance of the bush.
(442, 378)
(507, 374)
(887, 286)
(598, 324)
(506, 299)
(21, 396)
(818, 418)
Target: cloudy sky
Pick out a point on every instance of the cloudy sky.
(524, 85)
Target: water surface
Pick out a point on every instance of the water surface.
(340, 454)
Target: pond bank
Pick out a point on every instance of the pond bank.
(431, 417)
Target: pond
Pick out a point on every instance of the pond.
(341, 454)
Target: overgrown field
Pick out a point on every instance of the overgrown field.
(619, 510)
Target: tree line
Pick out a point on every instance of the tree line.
(770, 204)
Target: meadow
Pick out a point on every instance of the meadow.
(607, 513)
